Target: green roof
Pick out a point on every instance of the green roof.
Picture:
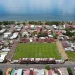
(12, 72)
(3, 52)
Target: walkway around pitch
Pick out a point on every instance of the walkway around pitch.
(61, 50)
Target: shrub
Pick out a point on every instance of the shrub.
(1, 73)
(47, 67)
(0, 28)
(55, 36)
(41, 34)
(69, 71)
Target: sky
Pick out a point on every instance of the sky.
(37, 6)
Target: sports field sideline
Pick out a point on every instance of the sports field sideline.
(37, 50)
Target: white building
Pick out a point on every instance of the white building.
(14, 36)
(6, 35)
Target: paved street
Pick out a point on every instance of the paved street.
(34, 65)
(39, 66)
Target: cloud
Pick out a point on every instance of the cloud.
(25, 5)
(14, 5)
(66, 6)
(28, 6)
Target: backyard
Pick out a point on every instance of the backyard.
(71, 56)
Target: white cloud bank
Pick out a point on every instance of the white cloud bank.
(24, 6)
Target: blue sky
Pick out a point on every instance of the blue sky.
(37, 6)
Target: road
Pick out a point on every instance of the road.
(3, 67)
(34, 65)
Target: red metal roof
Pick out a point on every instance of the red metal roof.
(49, 72)
(73, 26)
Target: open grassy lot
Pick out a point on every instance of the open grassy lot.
(71, 56)
(37, 50)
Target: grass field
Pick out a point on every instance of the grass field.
(37, 50)
(71, 56)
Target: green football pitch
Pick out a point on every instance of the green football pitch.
(36, 50)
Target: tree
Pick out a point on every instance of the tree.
(11, 22)
(0, 28)
(24, 23)
(52, 22)
(68, 33)
(34, 33)
(5, 22)
(1, 73)
(69, 71)
(55, 36)
(25, 36)
(0, 23)
(39, 23)
(42, 34)
(18, 23)
(33, 22)
(47, 67)
(68, 29)
(73, 39)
